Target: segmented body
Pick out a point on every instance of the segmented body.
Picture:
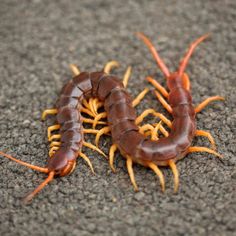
(138, 147)
(84, 85)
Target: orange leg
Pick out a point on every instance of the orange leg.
(163, 102)
(158, 86)
(176, 175)
(108, 67)
(82, 155)
(48, 112)
(139, 98)
(186, 81)
(74, 69)
(129, 164)
(208, 135)
(158, 172)
(145, 113)
(207, 101)
(112, 151)
(203, 149)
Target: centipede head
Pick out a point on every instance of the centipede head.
(62, 161)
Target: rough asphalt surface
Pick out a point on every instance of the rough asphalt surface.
(38, 40)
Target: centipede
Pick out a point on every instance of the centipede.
(87, 91)
(153, 152)
(79, 96)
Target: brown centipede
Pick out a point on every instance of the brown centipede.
(122, 122)
(67, 145)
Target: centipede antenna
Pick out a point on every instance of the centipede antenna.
(176, 175)
(192, 47)
(155, 54)
(37, 168)
(30, 196)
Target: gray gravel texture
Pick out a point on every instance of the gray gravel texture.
(38, 40)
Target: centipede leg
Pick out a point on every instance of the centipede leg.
(112, 151)
(90, 121)
(127, 76)
(164, 131)
(95, 105)
(207, 101)
(52, 151)
(151, 128)
(109, 66)
(91, 146)
(129, 164)
(51, 129)
(176, 175)
(158, 86)
(203, 149)
(48, 112)
(87, 111)
(90, 131)
(163, 102)
(98, 117)
(91, 106)
(139, 98)
(145, 127)
(85, 104)
(208, 135)
(104, 130)
(186, 81)
(54, 137)
(87, 160)
(154, 133)
(145, 113)
(74, 69)
(55, 143)
(158, 172)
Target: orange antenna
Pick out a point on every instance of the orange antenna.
(30, 196)
(40, 169)
(185, 60)
(155, 54)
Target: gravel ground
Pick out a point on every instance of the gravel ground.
(38, 41)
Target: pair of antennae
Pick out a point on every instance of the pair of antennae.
(50, 177)
(161, 63)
